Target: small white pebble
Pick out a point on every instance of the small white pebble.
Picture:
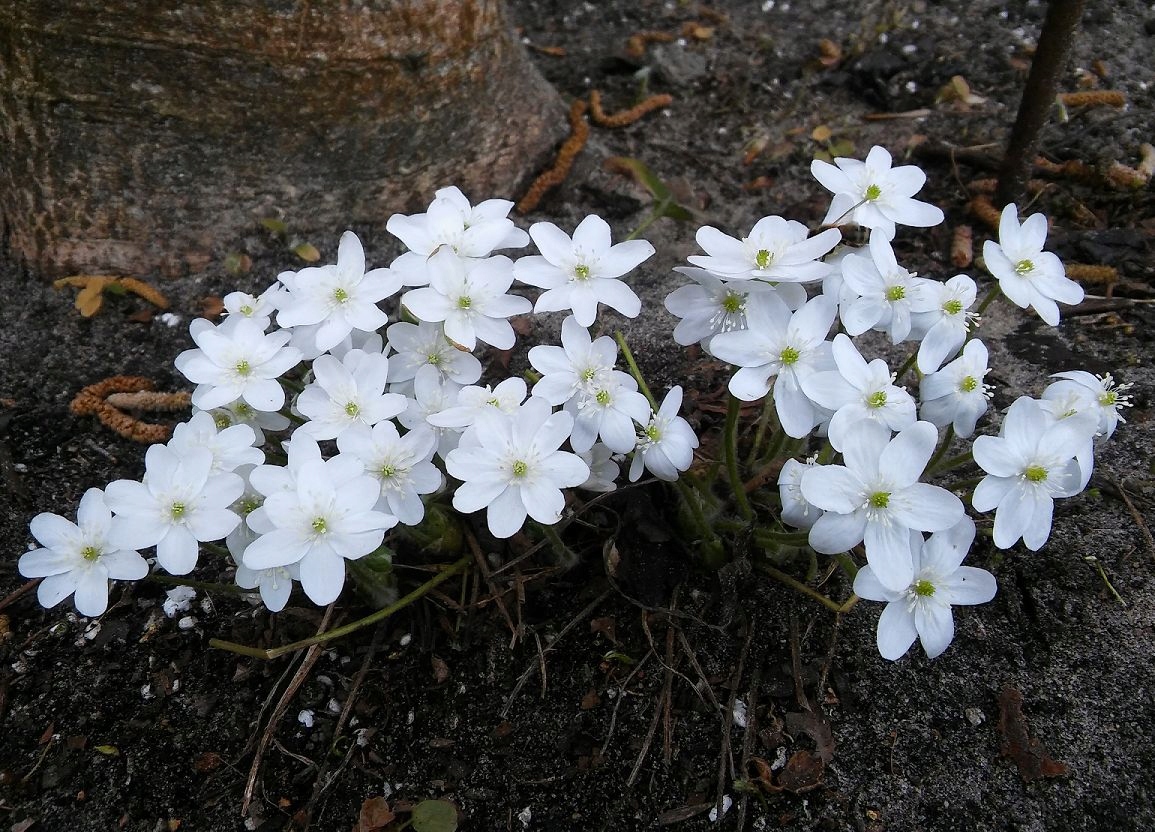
(909, 49)
(305, 718)
(739, 713)
(767, 5)
(146, 692)
(187, 622)
(406, 640)
(168, 319)
(727, 802)
(524, 817)
(179, 599)
(334, 707)
(975, 716)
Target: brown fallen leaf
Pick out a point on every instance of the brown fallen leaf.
(440, 670)
(1026, 751)
(375, 814)
(591, 700)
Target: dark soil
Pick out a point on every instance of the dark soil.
(133, 723)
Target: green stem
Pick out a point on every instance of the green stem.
(848, 565)
(789, 538)
(941, 450)
(988, 299)
(634, 371)
(205, 586)
(760, 433)
(906, 365)
(795, 584)
(655, 215)
(950, 464)
(731, 441)
(381, 614)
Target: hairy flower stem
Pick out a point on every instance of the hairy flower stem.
(760, 432)
(906, 365)
(798, 586)
(731, 449)
(848, 565)
(942, 448)
(566, 556)
(441, 577)
(634, 371)
(781, 538)
(204, 586)
(987, 300)
(950, 464)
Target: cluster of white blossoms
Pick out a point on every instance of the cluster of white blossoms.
(322, 421)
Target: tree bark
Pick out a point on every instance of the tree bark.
(140, 137)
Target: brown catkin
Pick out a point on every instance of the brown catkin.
(150, 401)
(636, 45)
(982, 208)
(1093, 98)
(144, 290)
(624, 117)
(579, 133)
(962, 246)
(1085, 273)
(93, 400)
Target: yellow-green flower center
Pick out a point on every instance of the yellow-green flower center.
(789, 356)
(1109, 399)
(653, 432)
(245, 411)
(352, 409)
(433, 358)
(952, 306)
(1035, 473)
(90, 553)
(388, 471)
(923, 588)
(603, 397)
(320, 526)
(222, 420)
(246, 310)
(248, 505)
(873, 192)
(243, 367)
(464, 302)
(582, 272)
(340, 295)
(733, 303)
(520, 469)
(879, 499)
(1024, 266)
(876, 399)
(968, 384)
(177, 510)
(894, 293)
(763, 258)
(588, 374)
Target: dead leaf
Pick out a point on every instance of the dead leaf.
(1026, 751)
(591, 700)
(817, 728)
(440, 670)
(24, 825)
(307, 252)
(803, 772)
(606, 626)
(552, 51)
(206, 762)
(759, 183)
(375, 814)
(211, 306)
(829, 53)
(46, 737)
(821, 133)
(237, 263)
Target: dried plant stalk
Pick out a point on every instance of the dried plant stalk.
(579, 133)
(624, 117)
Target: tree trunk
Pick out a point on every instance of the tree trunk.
(142, 137)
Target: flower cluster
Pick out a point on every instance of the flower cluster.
(343, 402)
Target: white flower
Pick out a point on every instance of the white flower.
(516, 468)
(1029, 464)
(432, 394)
(888, 295)
(609, 412)
(231, 447)
(922, 609)
(875, 195)
(401, 464)
(858, 391)
(777, 250)
(1027, 275)
(259, 308)
(876, 498)
(468, 231)
(240, 362)
(787, 346)
(604, 469)
(580, 365)
(957, 394)
(347, 392)
(178, 505)
(1090, 393)
(337, 299)
(325, 520)
(470, 297)
(79, 558)
(275, 583)
(947, 321)
(796, 510)
(249, 501)
(506, 397)
(666, 444)
(241, 413)
(577, 274)
(425, 343)
(709, 306)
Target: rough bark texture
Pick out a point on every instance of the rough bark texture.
(143, 137)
